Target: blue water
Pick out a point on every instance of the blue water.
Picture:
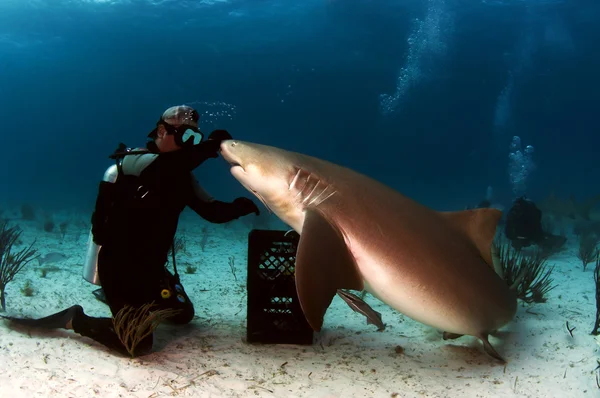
(425, 96)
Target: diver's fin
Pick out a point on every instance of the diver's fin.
(489, 349)
(323, 265)
(60, 320)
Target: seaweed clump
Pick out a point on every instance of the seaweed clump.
(588, 243)
(132, 325)
(528, 275)
(11, 263)
(597, 280)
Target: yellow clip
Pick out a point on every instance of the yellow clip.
(165, 293)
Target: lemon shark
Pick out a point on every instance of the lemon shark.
(357, 233)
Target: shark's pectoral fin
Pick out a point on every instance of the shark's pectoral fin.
(323, 265)
(479, 225)
(451, 336)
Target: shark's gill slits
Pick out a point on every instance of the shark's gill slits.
(302, 177)
(294, 180)
(309, 195)
(322, 196)
(308, 189)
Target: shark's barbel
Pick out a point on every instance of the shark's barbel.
(357, 233)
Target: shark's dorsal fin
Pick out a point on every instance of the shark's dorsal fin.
(479, 225)
(323, 265)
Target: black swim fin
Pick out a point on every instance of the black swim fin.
(60, 320)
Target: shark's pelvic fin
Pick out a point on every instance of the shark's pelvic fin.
(489, 349)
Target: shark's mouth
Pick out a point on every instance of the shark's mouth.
(233, 165)
(229, 159)
(262, 200)
(258, 196)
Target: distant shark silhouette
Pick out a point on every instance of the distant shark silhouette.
(356, 233)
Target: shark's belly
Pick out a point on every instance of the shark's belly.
(429, 292)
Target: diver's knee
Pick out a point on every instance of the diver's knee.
(144, 347)
(184, 315)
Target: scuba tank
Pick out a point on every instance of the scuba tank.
(90, 265)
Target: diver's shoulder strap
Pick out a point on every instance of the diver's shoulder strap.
(122, 151)
(132, 161)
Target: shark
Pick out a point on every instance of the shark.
(357, 233)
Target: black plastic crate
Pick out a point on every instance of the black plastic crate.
(274, 312)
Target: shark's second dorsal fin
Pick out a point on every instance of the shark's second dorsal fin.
(479, 225)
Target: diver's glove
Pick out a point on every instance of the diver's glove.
(245, 206)
(220, 136)
(213, 143)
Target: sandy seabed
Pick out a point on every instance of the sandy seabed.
(209, 357)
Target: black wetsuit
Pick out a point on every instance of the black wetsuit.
(524, 223)
(135, 221)
(524, 227)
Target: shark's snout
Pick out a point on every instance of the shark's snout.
(227, 152)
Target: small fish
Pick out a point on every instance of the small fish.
(51, 258)
(358, 305)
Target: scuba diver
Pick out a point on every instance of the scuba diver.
(134, 224)
(523, 227)
(524, 223)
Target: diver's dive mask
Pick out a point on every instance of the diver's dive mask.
(181, 122)
(184, 135)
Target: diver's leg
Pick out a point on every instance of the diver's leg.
(99, 329)
(120, 288)
(102, 330)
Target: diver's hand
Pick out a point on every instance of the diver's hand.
(213, 142)
(220, 136)
(245, 206)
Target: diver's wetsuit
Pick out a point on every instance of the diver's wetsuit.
(135, 221)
